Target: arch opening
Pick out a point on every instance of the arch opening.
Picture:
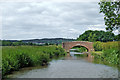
(79, 48)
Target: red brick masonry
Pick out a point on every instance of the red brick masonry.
(68, 45)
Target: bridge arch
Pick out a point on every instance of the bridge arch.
(68, 45)
(80, 46)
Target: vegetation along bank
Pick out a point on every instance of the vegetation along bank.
(16, 57)
(107, 52)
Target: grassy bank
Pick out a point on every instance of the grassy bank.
(98, 52)
(16, 57)
(100, 46)
(109, 52)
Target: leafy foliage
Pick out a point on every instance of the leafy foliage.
(97, 36)
(111, 11)
(110, 52)
(99, 46)
(110, 56)
(117, 37)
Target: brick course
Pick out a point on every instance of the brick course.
(68, 45)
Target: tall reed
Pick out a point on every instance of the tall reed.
(16, 57)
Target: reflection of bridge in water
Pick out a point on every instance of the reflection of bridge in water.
(72, 56)
(73, 53)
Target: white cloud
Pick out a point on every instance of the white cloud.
(50, 19)
(116, 32)
(49, 0)
(24, 9)
(96, 27)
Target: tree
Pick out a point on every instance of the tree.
(117, 37)
(111, 11)
(93, 36)
(6, 43)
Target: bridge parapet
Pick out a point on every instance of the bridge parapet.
(68, 45)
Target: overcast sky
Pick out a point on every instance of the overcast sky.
(49, 19)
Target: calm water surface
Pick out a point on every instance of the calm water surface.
(68, 67)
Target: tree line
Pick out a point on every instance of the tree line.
(102, 36)
(36, 42)
(19, 43)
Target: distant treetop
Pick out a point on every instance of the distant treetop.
(98, 36)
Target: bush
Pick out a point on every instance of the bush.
(40, 58)
(111, 53)
(99, 46)
(9, 63)
(111, 56)
(44, 58)
(24, 60)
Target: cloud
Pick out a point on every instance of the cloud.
(49, 0)
(49, 19)
(24, 9)
(96, 27)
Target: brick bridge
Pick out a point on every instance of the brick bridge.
(68, 45)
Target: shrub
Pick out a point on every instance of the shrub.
(111, 53)
(24, 60)
(111, 56)
(99, 46)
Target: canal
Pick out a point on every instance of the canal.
(68, 67)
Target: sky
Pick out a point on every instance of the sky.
(37, 20)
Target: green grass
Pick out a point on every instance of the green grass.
(99, 46)
(16, 57)
(110, 56)
(108, 52)
(97, 52)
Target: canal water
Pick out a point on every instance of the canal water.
(68, 67)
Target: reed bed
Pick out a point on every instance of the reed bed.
(16, 57)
